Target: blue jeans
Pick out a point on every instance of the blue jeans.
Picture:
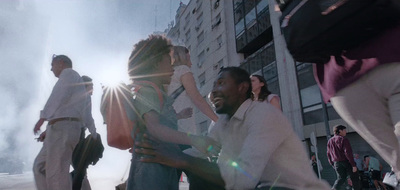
(151, 176)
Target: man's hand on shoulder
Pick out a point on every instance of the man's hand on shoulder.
(155, 152)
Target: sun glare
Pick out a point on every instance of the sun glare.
(113, 78)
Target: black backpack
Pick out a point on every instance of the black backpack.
(316, 29)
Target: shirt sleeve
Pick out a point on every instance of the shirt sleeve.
(59, 94)
(147, 99)
(181, 70)
(328, 153)
(269, 98)
(348, 151)
(244, 172)
(87, 116)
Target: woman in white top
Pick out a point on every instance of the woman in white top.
(261, 92)
(191, 95)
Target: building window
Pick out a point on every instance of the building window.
(187, 35)
(201, 58)
(219, 65)
(202, 79)
(187, 20)
(262, 6)
(216, 4)
(217, 21)
(199, 22)
(237, 3)
(249, 5)
(263, 63)
(200, 37)
(239, 27)
(219, 41)
(310, 96)
(238, 14)
(250, 18)
(200, 17)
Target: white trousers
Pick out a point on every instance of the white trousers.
(371, 106)
(52, 164)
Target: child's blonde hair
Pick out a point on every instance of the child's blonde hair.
(179, 55)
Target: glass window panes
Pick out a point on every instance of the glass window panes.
(249, 5)
(238, 14)
(237, 3)
(310, 96)
(250, 18)
(239, 27)
(262, 6)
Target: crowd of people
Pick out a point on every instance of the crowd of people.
(254, 143)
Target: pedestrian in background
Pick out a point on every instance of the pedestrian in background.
(66, 115)
(363, 85)
(340, 157)
(375, 168)
(316, 165)
(261, 93)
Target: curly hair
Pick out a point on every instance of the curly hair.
(146, 55)
(264, 92)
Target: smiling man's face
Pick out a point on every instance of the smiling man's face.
(226, 94)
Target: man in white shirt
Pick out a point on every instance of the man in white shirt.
(259, 147)
(66, 115)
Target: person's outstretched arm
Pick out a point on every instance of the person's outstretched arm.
(161, 132)
(173, 157)
(190, 86)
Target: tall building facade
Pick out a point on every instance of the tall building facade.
(246, 33)
(206, 29)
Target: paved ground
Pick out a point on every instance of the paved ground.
(25, 182)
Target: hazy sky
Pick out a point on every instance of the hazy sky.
(97, 35)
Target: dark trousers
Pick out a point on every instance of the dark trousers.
(344, 169)
(198, 183)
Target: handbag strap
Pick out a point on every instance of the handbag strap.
(177, 92)
(294, 10)
(331, 8)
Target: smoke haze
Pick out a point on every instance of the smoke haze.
(98, 37)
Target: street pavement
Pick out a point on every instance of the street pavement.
(26, 182)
